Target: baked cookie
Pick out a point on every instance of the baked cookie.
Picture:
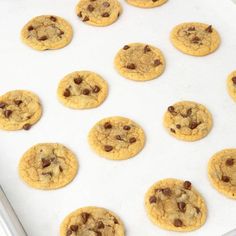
(47, 32)
(231, 85)
(82, 89)
(116, 138)
(195, 39)
(92, 221)
(48, 166)
(188, 121)
(98, 12)
(19, 109)
(138, 61)
(146, 3)
(175, 205)
(222, 172)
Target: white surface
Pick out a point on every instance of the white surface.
(119, 186)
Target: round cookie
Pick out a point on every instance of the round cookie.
(188, 121)
(196, 39)
(146, 3)
(48, 166)
(222, 172)
(141, 62)
(231, 85)
(98, 12)
(19, 109)
(175, 205)
(82, 89)
(116, 138)
(92, 221)
(47, 32)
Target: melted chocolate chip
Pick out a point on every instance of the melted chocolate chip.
(18, 102)
(45, 163)
(191, 28)
(126, 47)
(78, 80)
(2, 105)
(90, 8)
(178, 223)
(229, 162)
(209, 29)
(225, 178)
(61, 169)
(126, 127)
(85, 216)
(74, 228)
(172, 130)
(7, 113)
(154, 0)
(107, 125)
(178, 126)
(43, 38)
(106, 4)
(157, 62)
(166, 191)
(47, 173)
(53, 18)
(131, 66)
(100, 225)
(69, 232)
(197, 210)
(30, 28)
(60, 33)
(26, 126)
(152, 199)
(193, 125)
(195, 39)
(132, 140)
(108, 148)
(66, 93)
(80, 14)
(96, 89)
(234, 80)
(171, 109)
(182, 206)
(115, 221)
(187, 185)
(86, 18)
(146, 49)
(118, 137)
(105, 14)
(189, 112)
(86, 92)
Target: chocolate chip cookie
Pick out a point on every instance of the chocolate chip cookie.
(48, 166)
(82, 89)
(116, 138)
(175, 205)
(146, 3)
(92, 221)
(195, 39)
(222, 172)
(47, 32)
(141, 62)
(19, 109)
(98, 12)
(188, 121)
(231, 85)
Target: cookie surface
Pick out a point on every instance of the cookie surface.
(19, 109)
(196, 39)
(98, 12)
(231, 85)
(48, 166)
(47, 32)
(188, 121)
(222, 172)
(175, 205)
(139, 62)
(116, 138)
(146, 3)
(82, 89)
(92, 221)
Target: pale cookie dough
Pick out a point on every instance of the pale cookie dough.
(19, 109)
(222, 172)
(98, 12)
(231, 85)
(175, 205)
(188, 121)
(116, 138)
(82, 89)
(48, 166)
(195, 39)
(47, 32)
(92, 221)
(141, 62)
(146, 3)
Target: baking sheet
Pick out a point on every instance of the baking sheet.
(118, 186)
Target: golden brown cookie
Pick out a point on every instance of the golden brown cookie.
(19, 109)
(175, 205)
(47, 32)
(222, 172)
(92, 221)
(195, 39)
(188, 121)
(116, 138)
(141, 62)
(231, 85)
(82, 90)
(48, 166)
(146, 3)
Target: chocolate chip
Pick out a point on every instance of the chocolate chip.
(193, 125)
(85, 217)
(30, 28)
(45, 163)
(178, 223)
(86, 18)
(86, 92)
(105, 14)
(126, 47)
(178, 126)
(154, 0)
(100, 225)
(98, 233)
(171, 109)
(78, 80)
(197, 210)
(108, 148)
(225, 178)
(195, 39)
(61, 169)
(74, 228)
(147, 49)
(26, 126)
(53, 18)
(234, 80)
(96, 89)
(131, 66)
(152, 199)
(187, 185)
(191, 28)
(132, 140)
(47, 173)
(80, 14)
(69, 232)
(7, 113)
(229, 162)
(90, 8)
(66, 93)
(115, 221)
(118, 137)
(209, 29)
(107, 125)
(61, 33)
(157, 62)
(182, 206)
(106, 4)
(18, 102)
(126, 127)
(189, 112)
(43, 38)
(2, 105)
(172, 130)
